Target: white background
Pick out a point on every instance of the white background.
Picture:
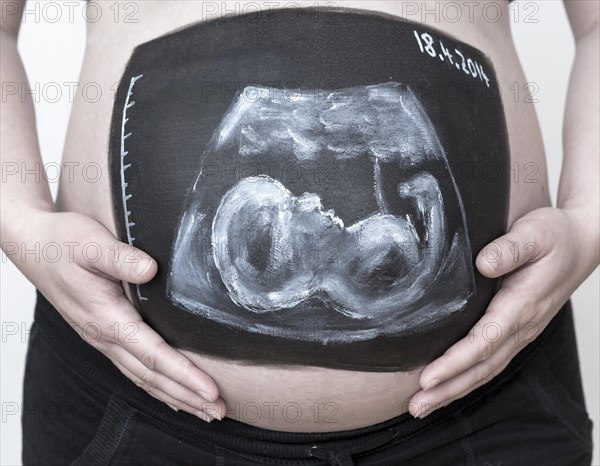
(53, 52)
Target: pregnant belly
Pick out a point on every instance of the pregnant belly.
(306, 183)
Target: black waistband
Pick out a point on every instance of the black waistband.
(101, 375)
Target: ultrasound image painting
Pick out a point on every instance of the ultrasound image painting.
(280, 259)
(307, 200)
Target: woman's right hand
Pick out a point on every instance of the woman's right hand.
(84, 284)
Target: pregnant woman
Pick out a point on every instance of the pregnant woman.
(320, 235)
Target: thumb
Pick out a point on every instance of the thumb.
(120, 261)
(509, 252)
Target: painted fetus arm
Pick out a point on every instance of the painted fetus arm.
(423, 191)
(558, 247)
(29, 218)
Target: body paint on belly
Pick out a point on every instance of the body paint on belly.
(314, 184)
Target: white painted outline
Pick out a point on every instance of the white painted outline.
(124, 153)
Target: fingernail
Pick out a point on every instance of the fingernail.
(212, 410)
(432, 383)
(205, 396)
(143, 266)
(414, 412)
(424, 414)
(204, 416)
(173, 407)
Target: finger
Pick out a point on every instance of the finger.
(120, 261)
(523, 244)
(425, 402)
(149, 381)
(519, 307)
(173, 403)
(494, 328)
(157, 355)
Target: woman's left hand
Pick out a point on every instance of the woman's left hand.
(544, 257)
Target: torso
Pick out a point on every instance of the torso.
(329, 399)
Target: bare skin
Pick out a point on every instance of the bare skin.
(329, 400)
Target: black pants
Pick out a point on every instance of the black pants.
(80, 410)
